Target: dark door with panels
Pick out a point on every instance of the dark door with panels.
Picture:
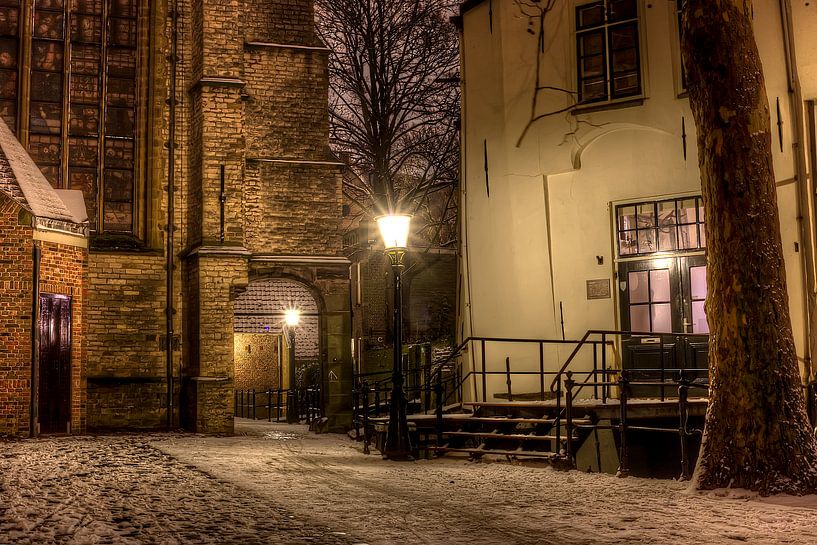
(54, 405)
(661, 298)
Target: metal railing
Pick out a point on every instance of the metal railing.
(261, 404)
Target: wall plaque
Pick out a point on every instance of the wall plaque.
(598, 289)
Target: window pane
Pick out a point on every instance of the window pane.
(622, 9)
(119, 122)
(686, 211)
(646, 215)
(625, 60)
(118, 216)
(122, 63)
(9, 21)
(627, 243)
(591, 43)
(50, 4)
(123, 8)
(47, 56)
(592, 66)
(119, 153)
(8, 111)
(84, 89)
(667, 234)
(8, 53)
(640, 318)
(46, 86)
(626, 85)
(121, 92)
(589, 15)
(638, 287)
(48, 24)
(661, 318)
(688, 237)
(52, 173)
(646, 241)
(85, 180)
(45, 118)
(83, 152)
(623, 37)
(118, 185)
(659, 286)
(626, 218)
(702, 231)
(86, 29)
(594, 89)
(122, 32)
(85, 60)
(697, 282)
(45, 150)
(8, 84)
(699, 322)
(84, 120)
(88, 6)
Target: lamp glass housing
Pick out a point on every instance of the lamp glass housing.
(394, 229)
(292, 317)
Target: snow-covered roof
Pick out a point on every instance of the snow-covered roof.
(22, 180)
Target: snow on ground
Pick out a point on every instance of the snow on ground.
(326, 478)
(121, 490)
(273, 483)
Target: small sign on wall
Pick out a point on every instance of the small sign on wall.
(598, 289)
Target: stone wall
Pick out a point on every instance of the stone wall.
(257, 362)
(126, 331)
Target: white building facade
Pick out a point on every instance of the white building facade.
(580, 200)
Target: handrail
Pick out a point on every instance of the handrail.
(605, 332)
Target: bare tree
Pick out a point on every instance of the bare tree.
(394, 106)
(756, 432)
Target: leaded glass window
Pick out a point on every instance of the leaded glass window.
(77, 112)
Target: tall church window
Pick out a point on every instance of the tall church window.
(607, 45)
(77, 112)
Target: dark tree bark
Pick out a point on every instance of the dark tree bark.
(757, 433)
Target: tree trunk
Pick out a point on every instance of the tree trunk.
(757, 433)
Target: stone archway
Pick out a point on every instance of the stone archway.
(261, 352)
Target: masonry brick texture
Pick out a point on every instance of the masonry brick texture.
(63, 271)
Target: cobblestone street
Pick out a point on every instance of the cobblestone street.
(122, 490)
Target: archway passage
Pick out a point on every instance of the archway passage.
(262, 349)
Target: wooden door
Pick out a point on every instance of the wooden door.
(55, 364)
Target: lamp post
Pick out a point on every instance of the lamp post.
(394, 229)
(292, 317)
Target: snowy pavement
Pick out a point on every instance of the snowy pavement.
(120, 490)
(280, 484)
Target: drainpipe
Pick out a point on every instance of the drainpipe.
(804, 185)
(34, 415)
(171, 227)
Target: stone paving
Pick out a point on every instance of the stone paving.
(120, 490)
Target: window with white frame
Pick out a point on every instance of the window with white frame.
(608, 55)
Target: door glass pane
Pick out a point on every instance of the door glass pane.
(697, 282)
(646, 215)
(659, 286)
(637, 282)
(688, 236)
(646, 241)
(640, 318)
(661, 318)
(699, 323)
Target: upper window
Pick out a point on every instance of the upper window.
(76, 109)
(660, 226)
(607, 44)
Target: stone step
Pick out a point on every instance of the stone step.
(498, 452)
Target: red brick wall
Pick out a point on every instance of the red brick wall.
(63, 270)
(15, 320)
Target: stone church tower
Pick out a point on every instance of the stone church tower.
(87, 86)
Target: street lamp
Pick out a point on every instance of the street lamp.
(292, 317)
(394, 229)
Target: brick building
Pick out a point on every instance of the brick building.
(43, 273)
(88, 88)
